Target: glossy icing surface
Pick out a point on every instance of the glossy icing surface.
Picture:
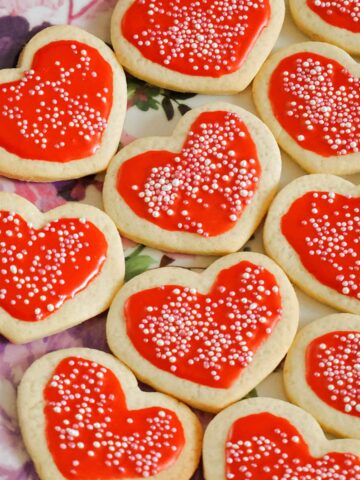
(210, 38)
(92, 434)
(316, 100)
(324, 230)
(333, 370)
(207, 339)
(43, 268)
(58, 110)
(339, 13)
(264, 446)
(204, 188)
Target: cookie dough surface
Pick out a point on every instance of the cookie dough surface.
(83, 303)
(319, 29)
(339, 422)
(149, 233)
(138, 65)
(278, 247)
(308, 158)
(31, 405)
(58, 109)
(218, 430)
(266, 357)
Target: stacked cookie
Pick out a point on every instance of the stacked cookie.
(205, 340)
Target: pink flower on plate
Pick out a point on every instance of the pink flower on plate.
(127, 138)
(14, 360)
(93, 15)
(14, 460)
(21, 7)
(43, 195)
(128, 244)
(79, 8)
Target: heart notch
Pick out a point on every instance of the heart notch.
(205, 47)
(82, 415)
(62, 109)
(264, 439)
(203, 190)
(208, 338)
(312, 230)
(58, 269)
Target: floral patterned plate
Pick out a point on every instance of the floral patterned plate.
(151, 111)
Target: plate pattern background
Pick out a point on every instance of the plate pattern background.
(151, 111)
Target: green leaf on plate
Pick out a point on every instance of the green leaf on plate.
(253, 393)
(168, 108)
(146, 104)
(181, 95)
(183, 108)
(134, 265)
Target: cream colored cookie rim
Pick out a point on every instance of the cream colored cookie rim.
(296, 386)
(310, 161)
(15, 167)
(144, 231)
(130, 57)
(280, 250)
(312, 24)
(267, 357)
(217, 431)
(89, 302)
(32, 421)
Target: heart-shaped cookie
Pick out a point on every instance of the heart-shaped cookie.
(337, 22)
(312, 230)
(62, 110)
(82, 415)
(209, 46)
(57, 269)
(208, 338)
(322, 372)
(308, 94)
(203, 190)
(267, 439)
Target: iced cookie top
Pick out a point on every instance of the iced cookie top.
(316, 100)
(43, 268)
(217, 170)
(208, 38)
(59, 109)
(92, 434)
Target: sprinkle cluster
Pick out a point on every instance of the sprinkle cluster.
(348, 8)
(337, 369)
(335, 240)
(57, 107)
(206, 170)
(197, 37)
(208, 339)
(41, 269)
(90, 428)
(281, 454)
(318, 102)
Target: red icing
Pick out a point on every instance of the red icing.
(316, 100)
(324, 230)
(333, 370)
(207, 339)
(263, 446)
(58, 110)
(339, 13)
(92, 434)
(208, 38)
(43, 268)
(204, 188)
